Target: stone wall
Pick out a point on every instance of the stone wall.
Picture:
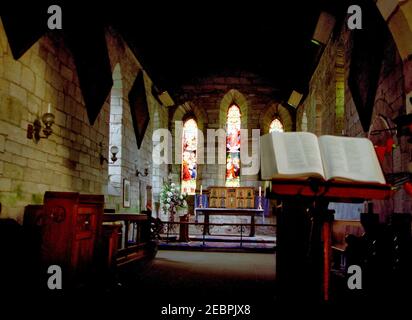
(131, 157)
(323, 105)
(209, 100)
(389, 103)
(69, 160)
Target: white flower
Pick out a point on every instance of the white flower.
(168, 200)
(181, 197)
(173, 185)
(170, 194)
(167, 206)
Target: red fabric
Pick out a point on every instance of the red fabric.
(186, 172)
(389, 145)
(408, 188)
(380, 152)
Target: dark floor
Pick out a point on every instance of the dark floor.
(186, 278)
(214, 273)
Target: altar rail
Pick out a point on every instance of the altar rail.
(241, 235)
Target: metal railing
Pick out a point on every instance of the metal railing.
(204, 224)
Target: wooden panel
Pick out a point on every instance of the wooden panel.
(231, 197)
(69, 225)
(332, 191)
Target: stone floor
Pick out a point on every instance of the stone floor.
(187, 278)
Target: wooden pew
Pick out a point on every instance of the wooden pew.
(67, 229)
(134, 230)
(341, 229)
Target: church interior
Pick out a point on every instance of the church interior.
(130, 161)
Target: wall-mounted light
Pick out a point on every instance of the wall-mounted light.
(143, 174)
(114, 150)
(34, 130)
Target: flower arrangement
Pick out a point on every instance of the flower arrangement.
(171, 199)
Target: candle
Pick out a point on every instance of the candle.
(49, 108)
(200, 189)
(260, 191)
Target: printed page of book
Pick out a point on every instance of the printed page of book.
(296, 155)
(268, 167)
(348, 158)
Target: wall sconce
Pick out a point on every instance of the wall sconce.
(143, 174)
(34, 130)
(114, 150)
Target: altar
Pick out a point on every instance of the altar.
(207, 212)
(229, 201)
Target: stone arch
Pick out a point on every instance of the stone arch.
(398, 16)
(233, 96)
(116, 132)
(186, 109)
(275, 109)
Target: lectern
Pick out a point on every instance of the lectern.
(316, 195)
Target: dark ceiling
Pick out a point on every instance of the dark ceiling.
(179, 43)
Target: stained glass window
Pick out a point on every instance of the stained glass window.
(276, 125)
(233, 147)
(189, 165)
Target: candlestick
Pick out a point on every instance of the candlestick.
(260, 191)
(200, 201)
(49, 108)
(200, 189)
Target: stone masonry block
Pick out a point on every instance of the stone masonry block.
(28, 79)
(13, 171)
(2, 143)
(5, 184)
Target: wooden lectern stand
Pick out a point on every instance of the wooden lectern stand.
(318, 193)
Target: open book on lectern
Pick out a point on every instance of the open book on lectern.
(303, 155)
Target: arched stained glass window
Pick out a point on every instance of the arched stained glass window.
(233, 147)
(276, 126)
(189, 165)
